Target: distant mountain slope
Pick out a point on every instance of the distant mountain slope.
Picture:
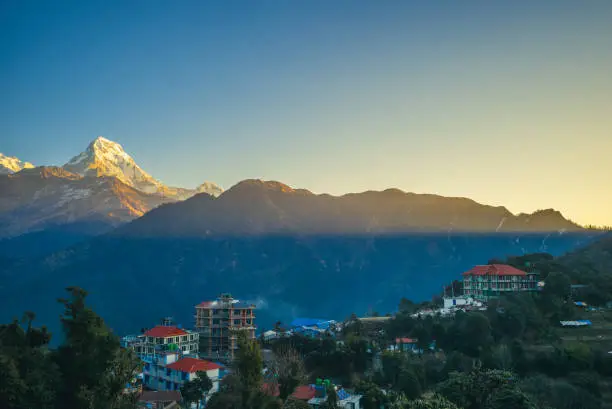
(102, 187)
(135, 281)
(34, 199)
(107, 158)
(255, 207)
(10, 164)
(292, 252)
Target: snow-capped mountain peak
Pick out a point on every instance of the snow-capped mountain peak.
(104, 157)
(11, 164)
(211, 188)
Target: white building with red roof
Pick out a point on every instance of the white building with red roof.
(169, 371)
(493, 280)
(162, 338)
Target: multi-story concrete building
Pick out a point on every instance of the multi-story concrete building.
(219, 322)
(484, 282)
(162, 338)
(169, 370)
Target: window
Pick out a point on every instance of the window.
(236, 322)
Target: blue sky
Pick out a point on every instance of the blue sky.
(508, 103)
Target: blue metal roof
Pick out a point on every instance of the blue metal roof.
(342, 394)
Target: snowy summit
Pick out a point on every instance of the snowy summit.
(104, 157)
(107, 158)
(10, 164)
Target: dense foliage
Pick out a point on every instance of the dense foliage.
(89, 370)
(514, 354)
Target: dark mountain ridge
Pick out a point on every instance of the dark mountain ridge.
(255, 207)
(290, 251)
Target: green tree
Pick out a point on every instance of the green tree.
(409, 384)
(332, 398)
(558, 393)
(197, 389)
(28, 376)
(244, 388)
(509, 397)
(373, 396)
(12, 386)
(93, 366)
(475, 333)
(287, 369)
(474, 389)
(433, 401)
(557, 285)
(292, 403)
(249, 363)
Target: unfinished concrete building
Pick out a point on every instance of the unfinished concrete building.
(219, 322)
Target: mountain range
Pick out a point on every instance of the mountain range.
(103, 185)
(145, 250)
(256, 207)
(288, 250)
(9, 164)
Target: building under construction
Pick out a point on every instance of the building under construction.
(219, 322)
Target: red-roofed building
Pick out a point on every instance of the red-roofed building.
(303, 392)
(193, 365)
(160, 331)
(172, 372)
(166, 337)
(484, 282)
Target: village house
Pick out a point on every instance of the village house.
(165, 337)
(169, 371)
(485, 282)
(159, 399)
(345, 399)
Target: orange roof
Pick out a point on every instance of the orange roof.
(405, 341)
(165, 332)
(495, 269)
(304, 392)
(192, 365)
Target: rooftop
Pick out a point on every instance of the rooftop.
(165, 332)
(192, 365)
(303, 392)
(216, 303)
(160, 396)
(495, 269)
(405, 341)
